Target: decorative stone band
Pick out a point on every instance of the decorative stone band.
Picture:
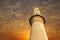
(36, 18)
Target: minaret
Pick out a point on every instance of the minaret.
(37, 26)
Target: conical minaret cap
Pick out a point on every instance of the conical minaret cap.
(36, 11)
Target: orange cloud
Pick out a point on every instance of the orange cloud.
(14, 36)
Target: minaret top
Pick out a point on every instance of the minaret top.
(36, 11)
(36, 16)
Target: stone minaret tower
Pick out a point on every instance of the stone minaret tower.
(37, 26)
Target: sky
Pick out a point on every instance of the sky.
(15, 14)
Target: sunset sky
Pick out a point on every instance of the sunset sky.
(15, 14)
